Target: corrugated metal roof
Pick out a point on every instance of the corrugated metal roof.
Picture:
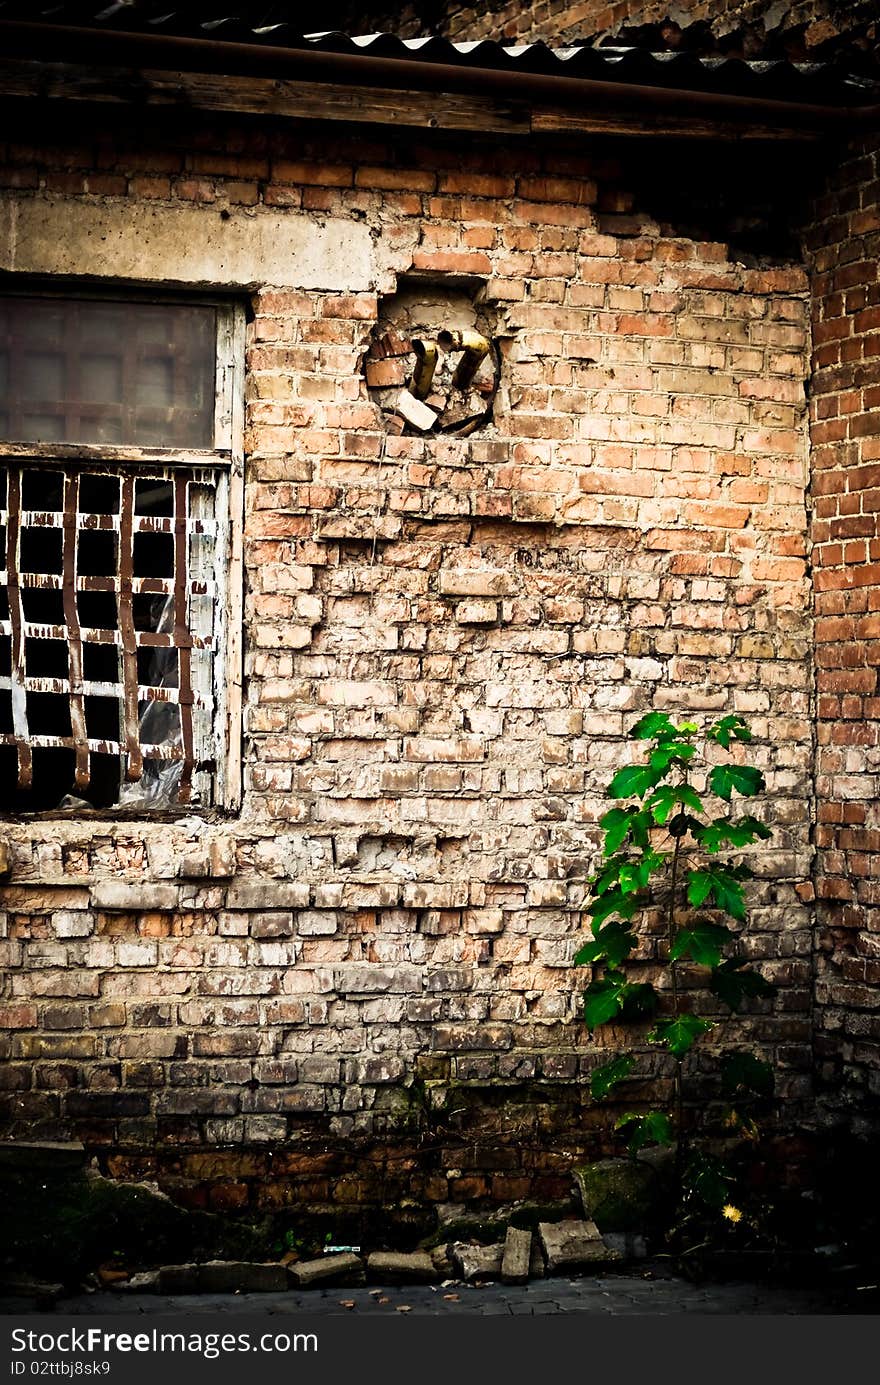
(777, 80)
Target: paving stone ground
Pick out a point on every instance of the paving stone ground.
(614, 1295)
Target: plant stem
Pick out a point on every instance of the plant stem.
(670, 920)
(673, 969)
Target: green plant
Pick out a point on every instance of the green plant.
(663, 862)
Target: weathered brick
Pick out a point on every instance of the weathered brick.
(116, 896)
(367, 978)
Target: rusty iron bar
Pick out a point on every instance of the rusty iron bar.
(141, 524)
(61, 686)
(182, 637)
(134, 765)
(144, 638)
(162, 753)
(74, 636)
(154, 586)
(20, 738)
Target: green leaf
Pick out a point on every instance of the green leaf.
(663, 800)
(612, 944)
(613, 997)
(620, 823)
(722, 886)
(633, 781)
(680, 1034)
(613, 902)
(745, 779)
(602, 1079)
(699, 887)
(740, 832)
(743, 1072)
(641, 830)
(616, 825)
(712, 836)
(608, 878)
(633, 877)
(702, 941)
(626, 875)
(733, 983)
(705, 1177)
(602, 999)
(671, 753)
(750, 824)
(651, 725)
(728, 895)
(652, 1128)
(727, 727)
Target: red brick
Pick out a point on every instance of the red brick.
(317, 174)
(390, 179)
(453, 262)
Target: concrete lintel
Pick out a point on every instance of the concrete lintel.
(205, 246)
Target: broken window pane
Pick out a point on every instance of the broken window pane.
(77, 370)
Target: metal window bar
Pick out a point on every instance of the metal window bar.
(192, 539)
(74, 634)
(134, 763)
(182, 639)
(16, 625)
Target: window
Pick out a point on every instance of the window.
(120, 475)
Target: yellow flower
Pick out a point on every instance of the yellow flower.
(731, 1213)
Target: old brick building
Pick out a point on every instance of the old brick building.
(309, 701)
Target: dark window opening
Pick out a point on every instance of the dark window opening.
(106, 639)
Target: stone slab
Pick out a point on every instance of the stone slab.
(477, 1262)
(572, 1245)
(517, 1256)
(392, 1267)
(537, 1268)
(337, 1269)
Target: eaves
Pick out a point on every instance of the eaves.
(65, 63)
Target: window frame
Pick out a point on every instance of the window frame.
(226, 459)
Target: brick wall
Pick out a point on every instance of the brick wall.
(365, 982)
(842, 245)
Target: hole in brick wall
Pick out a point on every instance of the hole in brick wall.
(432, 366)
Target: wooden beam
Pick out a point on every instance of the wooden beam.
(323, 101)
(564, 121)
